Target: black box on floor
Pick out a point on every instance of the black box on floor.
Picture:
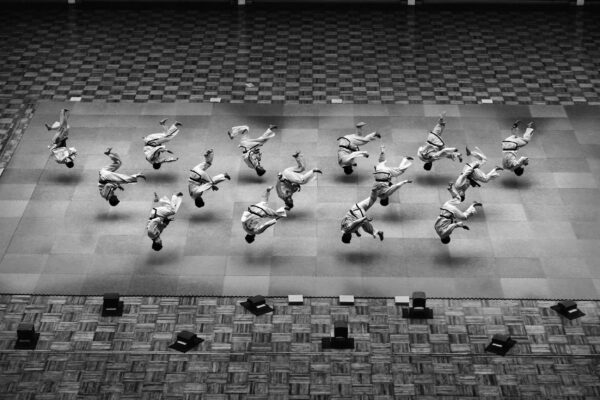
(27, 337)
(186, 341)
(111, 305)
(256, 305)
(500, 344)
(568, 309)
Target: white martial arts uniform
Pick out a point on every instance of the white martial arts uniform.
(251, 147)
(199, 180)
(349, 150)
(472, 174)
(109, 180)
(62, 154)
(162, 215)
(154, 149)
(512, 144)
(290, 180)
(383, 186)
(447, 220)
(434, 149)
(258, 217)
(356, 218)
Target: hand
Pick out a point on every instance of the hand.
(214, 188)
(408, 181)
(179, 194)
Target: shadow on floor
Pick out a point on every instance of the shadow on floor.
(515, 183)
(356, 257)
(113, 216)
(434, 179)
(162, 177)
(67, 178)
(251, 177)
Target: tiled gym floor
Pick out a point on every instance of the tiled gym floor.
(537, 236)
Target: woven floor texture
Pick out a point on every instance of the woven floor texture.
(82, 355)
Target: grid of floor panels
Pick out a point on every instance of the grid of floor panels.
(537, 236)
(279, 356)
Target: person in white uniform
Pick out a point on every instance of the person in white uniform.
(109, 180)
(434, 149)
(154, 149)
(472, 174)
(356, 218)
(349, 150)
(58, 146)
(449, 217)
(160, 216)
(200, 181)
(383, 186)
(512, 144)
(290, 180)
(258, 217)
(251, 153)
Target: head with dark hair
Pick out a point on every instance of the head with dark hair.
(157, 244)
(199, 202)
(156, 165)
(427, 166)
(346, 237)
(519, 171)
(446, 240)
(70, 164)
(113, 200)
(260, 171)
(348, 170)
(250, 238)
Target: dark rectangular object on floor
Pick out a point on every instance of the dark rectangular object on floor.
(111, 305)
(256, 305)
(27, 338)
(500, 344)
(568, 309)
(186, 341)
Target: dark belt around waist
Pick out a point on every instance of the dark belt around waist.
(348, 148)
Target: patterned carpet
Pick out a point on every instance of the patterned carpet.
(82, 355)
